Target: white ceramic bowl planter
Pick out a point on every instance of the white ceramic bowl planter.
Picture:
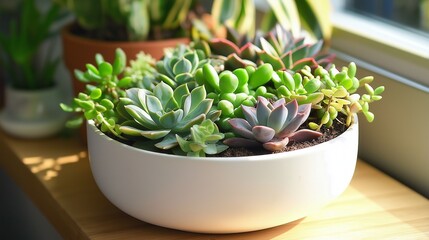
(222, 195)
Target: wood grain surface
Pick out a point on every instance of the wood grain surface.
(55, 174)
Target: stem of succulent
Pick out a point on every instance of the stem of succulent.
(109, 126)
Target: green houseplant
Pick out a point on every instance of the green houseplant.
(134, 26)
(31, 92)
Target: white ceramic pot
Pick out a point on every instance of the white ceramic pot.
(32, 113)
(222, 195)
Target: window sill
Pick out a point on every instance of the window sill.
(399, 51)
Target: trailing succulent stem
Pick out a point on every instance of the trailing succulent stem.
(106, 84)
(101, 96)
(272, 125)
(330, 92)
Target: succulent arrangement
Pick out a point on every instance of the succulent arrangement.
(243, 90)
(190, 103)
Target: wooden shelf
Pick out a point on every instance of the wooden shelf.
(55, 174)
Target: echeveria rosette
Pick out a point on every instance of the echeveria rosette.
(284, 52)
(180, 64)
(204, 139)
(161, 114)
(271, 125)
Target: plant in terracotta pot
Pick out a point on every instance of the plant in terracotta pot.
(32, 96)
(198, 147)
(134, 26)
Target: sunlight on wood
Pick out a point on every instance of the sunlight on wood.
(32, 160)
(49, 167)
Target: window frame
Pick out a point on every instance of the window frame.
(400, 52)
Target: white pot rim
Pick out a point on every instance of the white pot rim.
(272, 157)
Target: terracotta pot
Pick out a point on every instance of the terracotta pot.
(78, 51)
(222, 194)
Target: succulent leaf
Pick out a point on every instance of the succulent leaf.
(276, 145)
(263, 133)
(140, 116)
(155, 134)
(277, 117)
(242, 127)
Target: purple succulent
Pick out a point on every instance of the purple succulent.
(272, 125)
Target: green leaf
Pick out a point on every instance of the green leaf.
(171, 119)
(74, 123)
(91, 114)
(351, 71)
(120, 62)
(125, 82)
(66, 108)
(92, 69)
(153, 104)
(188, 122)
(184, 145)
(341, 92)
(266, 46)
(184, 78)
(142, 117)
(180, 94)
(194, 100)
(105, 69)
(226, 107)
(365, 80)
(99, 58)
(168, 142)
(242, 76)
(379, 90)
(347, 83)
(131, 131)
(228, 82)
(80, 76)
(369, 116)
(369, 89)
(182, 66)
(261, 76)
(85, 104)
(313, 85)
(275, 61)
(211, 76)
(155, 134)
(163, 92)
(100, 108)
(95, 93)
(325, 118)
